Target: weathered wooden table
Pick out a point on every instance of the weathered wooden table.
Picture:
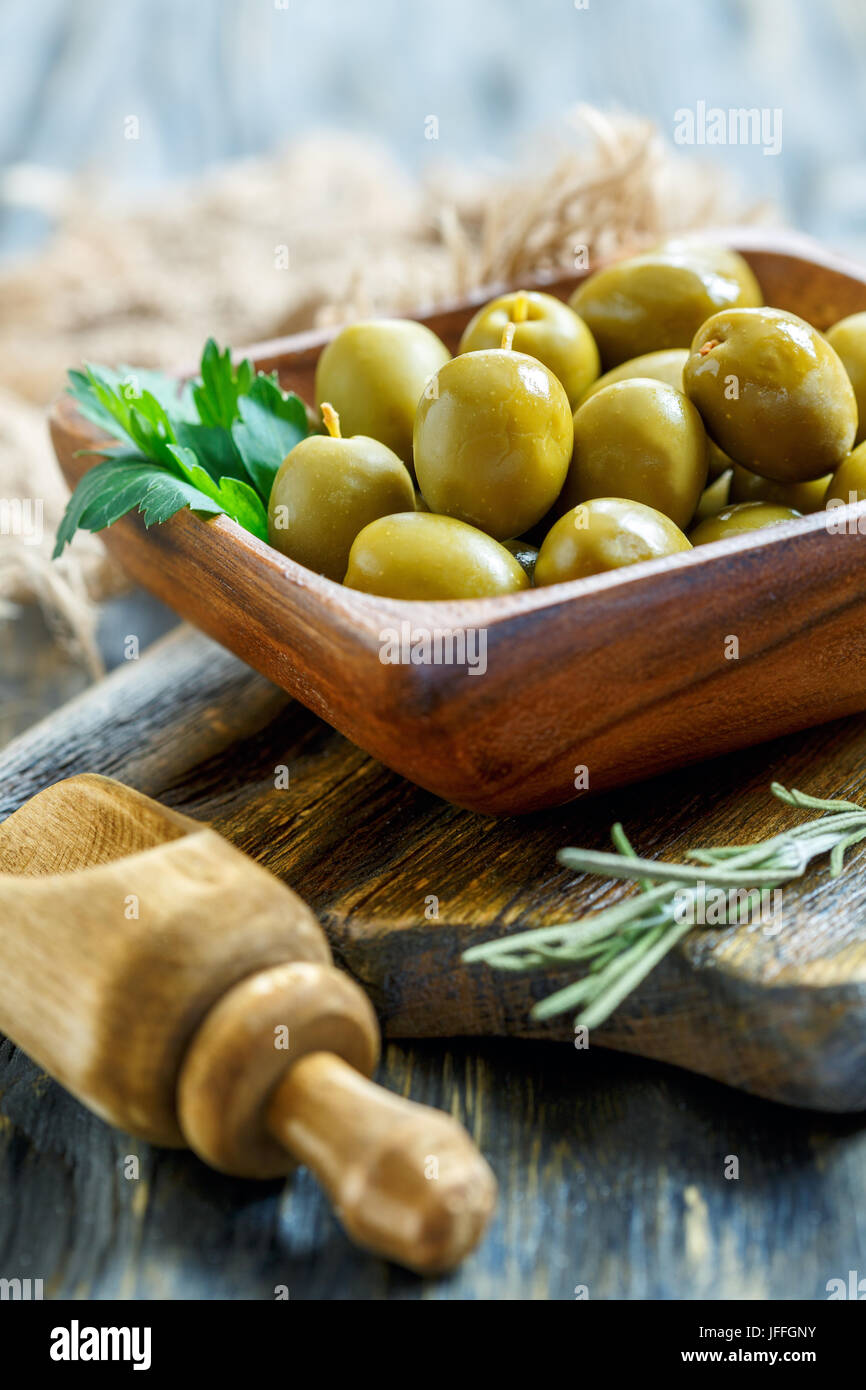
(611, 1170)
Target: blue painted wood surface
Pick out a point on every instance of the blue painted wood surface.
(212, 81)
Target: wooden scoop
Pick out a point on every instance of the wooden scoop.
(187, 996)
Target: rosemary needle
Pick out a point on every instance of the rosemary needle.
(621, 944)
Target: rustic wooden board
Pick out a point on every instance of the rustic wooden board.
(781, 1015)
(580, 1201)
(611, 1176)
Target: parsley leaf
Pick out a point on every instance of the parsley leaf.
(216, 396)
(238, 500)
(104, 396)
(121, 484)
(212, 444)
(215, 450)
(270, 424)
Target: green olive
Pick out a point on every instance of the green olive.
(714, 497)
(717, 460)
(848, 339)
(524, 552)
(848, 483)
(493, 441)
(642, 440)
(546, 329)
(745, 516)
(772, 392)
(374, 374)
(659, 300)
(803, 497)
(720, 259)
(605, 534)
(666, 366)
(419, 555)
(327, 490)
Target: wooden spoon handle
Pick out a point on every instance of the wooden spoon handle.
(406, 1181)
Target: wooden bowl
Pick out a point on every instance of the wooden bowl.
(624, 675)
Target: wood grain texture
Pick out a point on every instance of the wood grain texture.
(121, 925)
(610, 1171)
(580, 1201)
(150, 968)
(652, 637)
(782, 1015)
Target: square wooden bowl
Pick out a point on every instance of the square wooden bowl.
(625, 674)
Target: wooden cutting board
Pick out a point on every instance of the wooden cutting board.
(782, 1015)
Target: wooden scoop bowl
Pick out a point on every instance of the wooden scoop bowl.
(187, 996)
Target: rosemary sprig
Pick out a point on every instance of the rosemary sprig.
(622, 944)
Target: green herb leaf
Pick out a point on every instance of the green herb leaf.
(123, 484)
(235, 497)
(216, 396)
(214, 448)
(174, 396)
(91, 407)
(183, 450)
(165, 495)
(140, 417)
(270, 425)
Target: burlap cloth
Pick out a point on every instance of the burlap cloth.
(327, 230)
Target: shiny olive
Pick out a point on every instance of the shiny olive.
(605, 534)
(326, 491)
(745, 516)
(718, 461)
(848, 483)
(374, 374)
(666, 366)
(714, 497)
(642, 440)
(659, 299)
(772, 392)
(493, 440)
(720, 259)
(545, 329)
(803, 497)
(848, 339)
(524, 553)
(419, 555)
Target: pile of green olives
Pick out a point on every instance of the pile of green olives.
(663, 407)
